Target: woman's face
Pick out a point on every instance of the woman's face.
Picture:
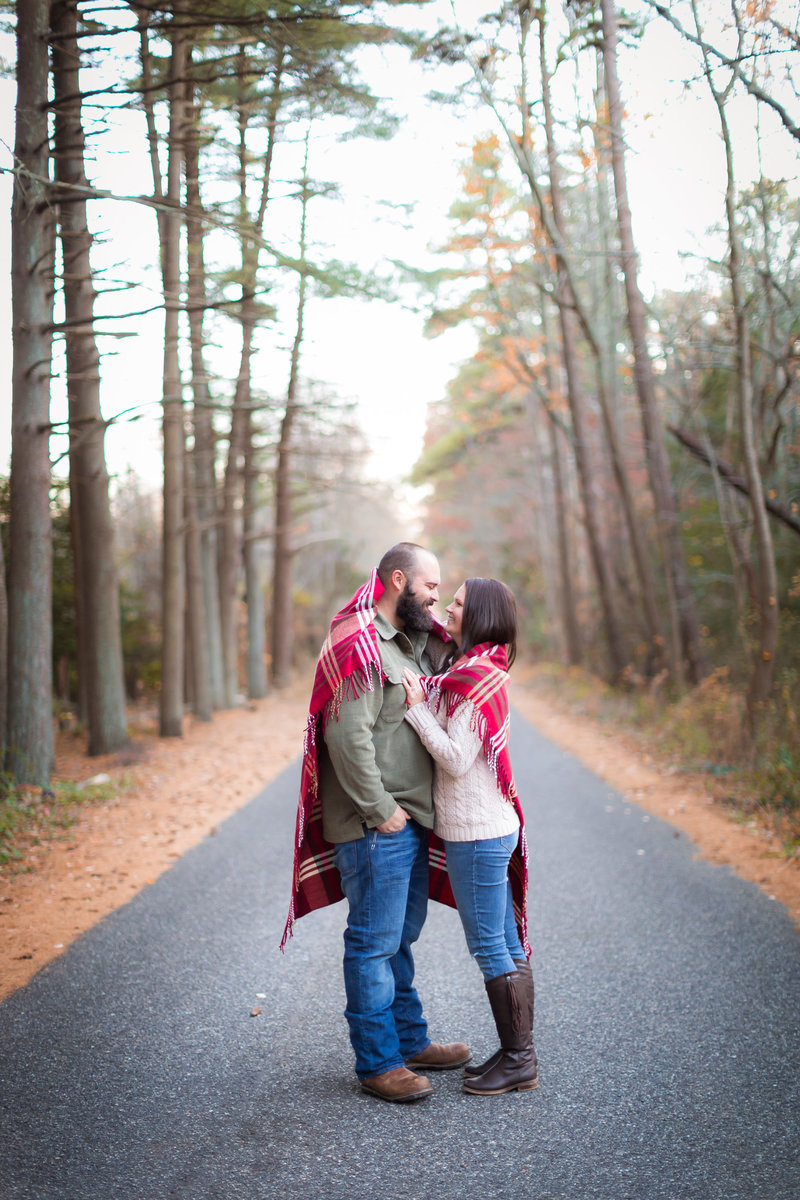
(455, 613)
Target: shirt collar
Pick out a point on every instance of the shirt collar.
(388, 631)
(385, 627)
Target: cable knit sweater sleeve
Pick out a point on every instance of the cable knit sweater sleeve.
(454, 749)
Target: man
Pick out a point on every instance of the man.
(374, 781)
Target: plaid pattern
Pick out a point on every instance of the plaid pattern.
(344, 670)
(481, 676)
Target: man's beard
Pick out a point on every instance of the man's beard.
(414, 613)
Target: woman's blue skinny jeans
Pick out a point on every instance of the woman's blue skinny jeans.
(478, 873)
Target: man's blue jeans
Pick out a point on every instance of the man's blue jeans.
(385, 881)
(479, 878)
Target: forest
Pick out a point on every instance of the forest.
(628, 462)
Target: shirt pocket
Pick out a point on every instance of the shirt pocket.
(393, 707)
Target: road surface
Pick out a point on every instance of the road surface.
(668, 994)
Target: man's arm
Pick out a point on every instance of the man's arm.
(352, 755)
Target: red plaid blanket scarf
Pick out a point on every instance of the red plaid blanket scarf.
(481, 676)
(344, 670)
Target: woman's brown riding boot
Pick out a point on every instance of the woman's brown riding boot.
(512, 1008)
(526, 976)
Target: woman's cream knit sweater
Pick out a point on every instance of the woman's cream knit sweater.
(468, 805)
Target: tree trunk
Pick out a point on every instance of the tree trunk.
(282, 623)
(606, 300)
(604, 346)
(197, 641)
(597, 330)
(231, 536)
(173, 582)
(766, 581)
(82, 697)
(562, 295)
(233, 494)
(542, 502)
(207, 512)
(253, 575)
(97, 584)
(569, 616)
(148, 94)
(282, 606)
(29, 748)
(231, 532)
(204, 639)
(667, 515)
(203, 453)
(597, 551)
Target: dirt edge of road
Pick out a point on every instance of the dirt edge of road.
(678, 797)
(173, 793)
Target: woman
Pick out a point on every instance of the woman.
(464, 725)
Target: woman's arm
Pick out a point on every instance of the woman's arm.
(453, 749)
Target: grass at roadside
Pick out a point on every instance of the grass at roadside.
(699, 732)
(31, 815)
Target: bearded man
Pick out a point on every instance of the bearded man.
(373, 777)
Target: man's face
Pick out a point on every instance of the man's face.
(419, 595)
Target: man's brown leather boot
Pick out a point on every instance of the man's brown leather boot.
(397, 1086)
(436, 1057)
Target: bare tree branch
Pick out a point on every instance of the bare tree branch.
(733, 480)
(734, 64)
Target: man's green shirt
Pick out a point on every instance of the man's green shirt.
(374, 759)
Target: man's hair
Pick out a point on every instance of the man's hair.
(490, 615)
(402, 557)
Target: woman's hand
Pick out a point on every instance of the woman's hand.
(414, 692)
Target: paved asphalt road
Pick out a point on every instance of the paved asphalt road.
(668, 994)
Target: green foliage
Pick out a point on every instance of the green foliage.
(12, 818)
(711, 558)
(704, 732)
(442, 319)
(445, 46)
(141, 644)
(780, 778)
(440, 455)
(8, 26)
(338, 278)
(380, 129)
(65, 644)
(29, 816)
(715, 390)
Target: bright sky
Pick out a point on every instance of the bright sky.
(375, 352)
